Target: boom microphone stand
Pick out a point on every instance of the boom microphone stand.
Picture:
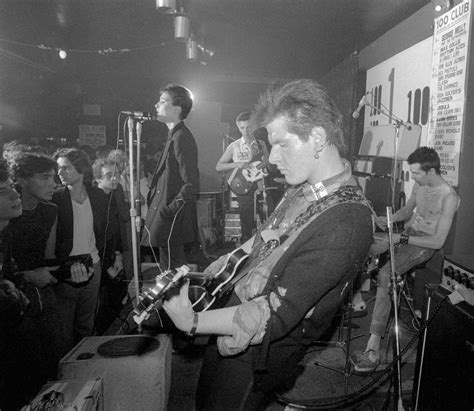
(135, 204)
(395, 279)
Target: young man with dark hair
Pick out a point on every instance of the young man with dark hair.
(115, 255)
(240, 154)
(31, 240)
(428, 214)
(81, 230)
(302, 259)
(171, 219)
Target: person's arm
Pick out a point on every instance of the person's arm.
(185, 151)
(316, 263)
(226, 163)
(181, 312)
(436, 241)
(403, 214)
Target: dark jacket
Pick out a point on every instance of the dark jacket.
(173, 192)
(64, 233)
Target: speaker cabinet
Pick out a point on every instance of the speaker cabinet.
(444, 374)
(379, 191)
(130, 382)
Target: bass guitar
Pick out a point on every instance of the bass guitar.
(241, 181)
(204, 289)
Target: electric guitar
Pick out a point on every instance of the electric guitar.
(241, 181)
(204, 289)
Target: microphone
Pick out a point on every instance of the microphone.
(362, 103)
(140, 115)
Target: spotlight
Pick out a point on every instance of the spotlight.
(62, 54)
(441, 6)
(181, 27)
(191, 49)
(166, 6)
(206, 50)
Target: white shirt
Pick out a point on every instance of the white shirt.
(83, 241)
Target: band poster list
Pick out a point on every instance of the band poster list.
(448, 78)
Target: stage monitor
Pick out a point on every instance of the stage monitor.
(378, 141)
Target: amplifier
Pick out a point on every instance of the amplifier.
(135, 370)
(458, 275)
(444, 372)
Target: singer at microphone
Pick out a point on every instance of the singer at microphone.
(362, 103)
(140, 115)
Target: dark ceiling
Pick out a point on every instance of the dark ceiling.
(266, 38)
(123, 49)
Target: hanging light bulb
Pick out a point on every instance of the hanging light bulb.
(62, 54)
(181, 27)
(166, 6)
(441, 6)
(191, 49)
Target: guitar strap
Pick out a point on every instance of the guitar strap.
(287, 222)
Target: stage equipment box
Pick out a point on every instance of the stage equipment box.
(136, 369)
(80, 395)
(232, 229)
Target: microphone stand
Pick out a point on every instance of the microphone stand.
(135, 219)
(397, 123)
(395, 282)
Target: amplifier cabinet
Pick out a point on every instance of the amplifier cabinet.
(444, 373)
(134, 382)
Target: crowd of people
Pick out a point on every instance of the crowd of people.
(67, 206)
(66, 245)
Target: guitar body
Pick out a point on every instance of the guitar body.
(241, 181)
(204, 289)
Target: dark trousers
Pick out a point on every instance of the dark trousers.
(227, 383)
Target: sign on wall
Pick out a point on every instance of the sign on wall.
(400, 87)
(91, 135)
(448, 78)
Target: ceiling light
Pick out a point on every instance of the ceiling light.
(181, 27)
(191, 49)
(166, 6)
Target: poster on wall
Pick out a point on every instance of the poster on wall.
(91, 135)
(448, 78)
(400, 87)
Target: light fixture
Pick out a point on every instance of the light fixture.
(166, 6)
(191, 49)
(441, 6)
(206, 50)
(181, 27)
(62, 54)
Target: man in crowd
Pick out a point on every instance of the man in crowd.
(115, 255)
(13, 302)
(29, 239)
(240, 155)
(171, 219)
(81, 230)
(429, 214)
(302, 260)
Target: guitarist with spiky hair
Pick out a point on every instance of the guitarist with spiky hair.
(244, 175)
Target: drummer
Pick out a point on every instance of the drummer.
(429, 214)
